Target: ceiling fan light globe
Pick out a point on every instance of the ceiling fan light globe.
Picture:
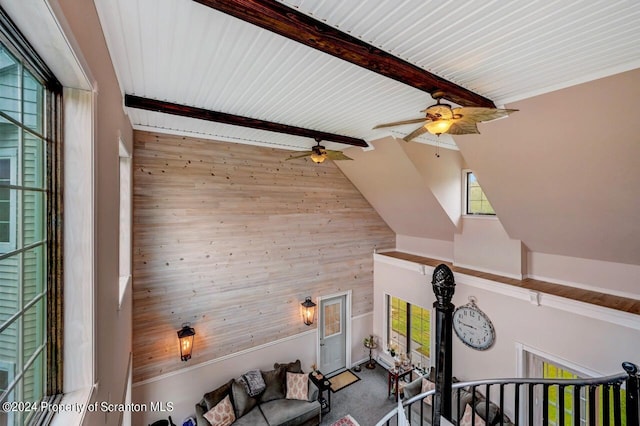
(318, 158)
(439, 126)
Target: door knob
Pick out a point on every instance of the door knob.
(321, 344)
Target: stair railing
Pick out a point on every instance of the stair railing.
(602, 396)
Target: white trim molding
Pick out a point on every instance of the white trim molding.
(588, 310)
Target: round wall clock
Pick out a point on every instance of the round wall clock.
(473, 326)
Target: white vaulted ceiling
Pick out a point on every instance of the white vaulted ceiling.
(183, 52)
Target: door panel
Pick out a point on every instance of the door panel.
(333, 334)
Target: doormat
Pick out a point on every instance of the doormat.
(342, 380)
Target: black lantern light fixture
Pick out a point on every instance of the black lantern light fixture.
(308, 311)
(185, 335)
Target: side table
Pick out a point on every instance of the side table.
(324, 385)
(371, 346)
(395, 375)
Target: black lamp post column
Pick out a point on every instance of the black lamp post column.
(443, 287)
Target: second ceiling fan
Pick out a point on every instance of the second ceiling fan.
(442, 118)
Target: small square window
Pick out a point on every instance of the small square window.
(476, 200)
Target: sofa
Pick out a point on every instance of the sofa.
(469, 406)
(270, 407)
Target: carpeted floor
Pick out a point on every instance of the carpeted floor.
(365, 400)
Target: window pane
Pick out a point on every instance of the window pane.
(33, 162)
(398, 325)
(32, 330)
(9, 84)
(32, 102)
(10, 417)
(9, 350)
(33, 273)
(8, 219)
(33, 214)
(9, 288)
(420, 335)
(477, 202)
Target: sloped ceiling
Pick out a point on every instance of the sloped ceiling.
(393, 185)
(563, 174)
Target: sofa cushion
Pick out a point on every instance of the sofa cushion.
(252, 418)
(221, 414)
(242, 402)
(492, 416)
(427, 385)
(215, 396)
(289, 412)
(465, 398)
(297, 386)
(467, 418)
(274, 382)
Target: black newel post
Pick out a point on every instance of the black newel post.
(633, 392)
(443, 287)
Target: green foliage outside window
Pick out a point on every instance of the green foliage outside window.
(477, 202)
(420, 329)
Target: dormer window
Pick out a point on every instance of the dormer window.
(476, 202)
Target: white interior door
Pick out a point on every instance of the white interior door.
(333, 334)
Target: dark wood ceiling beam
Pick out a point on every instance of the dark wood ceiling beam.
(138, 102)
(281, 19)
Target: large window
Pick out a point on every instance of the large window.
(541, 367)
(476, 200)
(29, 222)
(409, 330)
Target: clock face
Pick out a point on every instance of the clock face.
(473, 327)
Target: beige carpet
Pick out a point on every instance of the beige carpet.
(342, 380)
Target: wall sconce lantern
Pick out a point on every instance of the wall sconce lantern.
(308, 311)
(185, 335)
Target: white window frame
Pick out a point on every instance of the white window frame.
(465, 199)
(384, 345)
(12, 155)
(9, 368)
(125, 222)
(526, 353)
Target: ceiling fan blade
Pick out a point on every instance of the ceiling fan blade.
(482, 114)
(463, 127)
(400, 123)
(417, 132)
(304, 154)
(337, 155)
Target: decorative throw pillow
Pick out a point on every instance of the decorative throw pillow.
(291, 367)
(212, 398)
(490, 416)
(274, 380)
(222, 414)
(427, 385)
(297, 386)
(466, 417)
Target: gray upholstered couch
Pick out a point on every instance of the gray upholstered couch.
(269, 408)
(479, 404)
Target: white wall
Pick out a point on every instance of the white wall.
(607, 277)
(485, 246)
(186, 387)
(586, 335)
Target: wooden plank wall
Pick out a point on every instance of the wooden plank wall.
(232, 238)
